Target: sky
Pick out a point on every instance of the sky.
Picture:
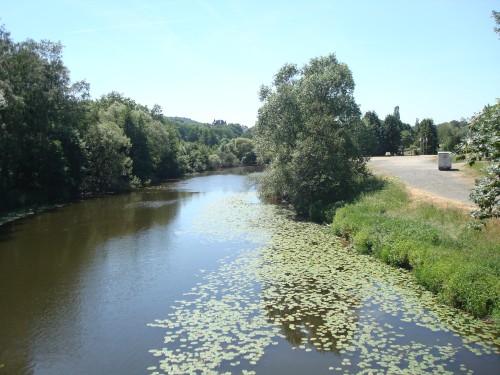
(206, 60)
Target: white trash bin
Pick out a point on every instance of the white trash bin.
(444, 160)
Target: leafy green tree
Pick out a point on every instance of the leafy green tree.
(375, 143)
(483, 143)
(451, 134)
(108, 166)
(306, 129)
(407, 138)
(243, 149)
(42, 119)
(154, 142)
(214, 162)
(496, 17)
(135, 128)
(198, 157)
(208, 137)
(226, 155)
(428, 137)
(392, 133)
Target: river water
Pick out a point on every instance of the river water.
(177, 278)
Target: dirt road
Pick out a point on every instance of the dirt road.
(422, 175)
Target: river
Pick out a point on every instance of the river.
(198, 275)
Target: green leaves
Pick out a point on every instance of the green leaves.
(41, 120)
(483, 143)
(308, 128)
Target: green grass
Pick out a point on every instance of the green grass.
(460, 265)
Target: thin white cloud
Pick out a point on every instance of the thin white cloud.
(122, 27)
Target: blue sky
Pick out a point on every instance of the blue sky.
(206, 59)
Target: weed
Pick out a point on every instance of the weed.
(459, 264)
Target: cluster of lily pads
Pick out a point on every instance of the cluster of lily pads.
(295, 281)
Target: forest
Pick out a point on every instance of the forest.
(57, 144)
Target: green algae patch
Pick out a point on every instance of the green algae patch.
(293, 286)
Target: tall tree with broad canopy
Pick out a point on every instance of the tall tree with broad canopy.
(428, 136)
(392, 133)
(483, 143)
(308, 129)
(42, 118)
(377, 132)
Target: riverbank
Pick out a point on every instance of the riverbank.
(23, 212)
(242, 287)
(460, 265)
(10, 216)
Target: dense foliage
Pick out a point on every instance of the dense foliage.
(308, 129)
(427, 134)
(496, 17)
(393, 136)
(42, 120)
(457, 263)
(451, 133)
(483, 143)
(56, 143)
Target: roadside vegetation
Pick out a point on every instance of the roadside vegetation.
(461, 265)
(483, 144)
(311, 133)
(57, 144)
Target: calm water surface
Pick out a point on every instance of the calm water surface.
(78, 285)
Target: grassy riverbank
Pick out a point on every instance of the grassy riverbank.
(460, 265)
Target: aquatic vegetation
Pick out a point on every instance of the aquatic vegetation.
(457, 263)
(295, 282)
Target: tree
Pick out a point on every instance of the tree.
(451, 134)
(42, 119)
(392, 133)
(243, 148)
(483, 143)
(154, 142)
(406, 138)
(306, 127)
(396, 113)
(226, 154)
(428, 136)
(108, 166)
(376, 142)
(496, 17)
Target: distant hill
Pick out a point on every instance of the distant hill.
(209, 134)
(185, 120)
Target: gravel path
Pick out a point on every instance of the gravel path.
(422, 173)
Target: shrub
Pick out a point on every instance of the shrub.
(460, 265)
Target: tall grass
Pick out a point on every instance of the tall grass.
(460, 265)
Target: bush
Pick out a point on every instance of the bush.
(460, 265)
(484, 144)
(309, 129)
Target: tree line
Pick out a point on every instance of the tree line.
(393, 136)
(311, 133)
(56, 143)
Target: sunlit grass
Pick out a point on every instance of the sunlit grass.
(460, 265)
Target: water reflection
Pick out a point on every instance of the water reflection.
(304, 322)
(49, 261)
(79, 283)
